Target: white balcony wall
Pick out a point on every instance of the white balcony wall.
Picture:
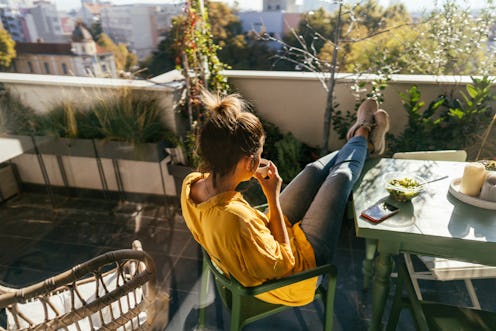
(295, 101)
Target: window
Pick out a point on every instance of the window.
(89, 72)
(64, 69)
(47, 68)
(30, 66)
(104, 68)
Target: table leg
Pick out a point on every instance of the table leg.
(383, 267)
(368, 261)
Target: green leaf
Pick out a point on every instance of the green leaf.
(433, 106)
(472, 91)
(456, 113)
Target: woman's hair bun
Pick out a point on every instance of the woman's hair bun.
(215, 103)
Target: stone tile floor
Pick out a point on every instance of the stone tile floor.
(42, 235)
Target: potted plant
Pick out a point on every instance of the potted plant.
(115, 137)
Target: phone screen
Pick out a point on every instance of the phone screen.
(379, 212)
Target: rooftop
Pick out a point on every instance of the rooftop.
(42, 235)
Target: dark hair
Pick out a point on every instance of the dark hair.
(228, 133)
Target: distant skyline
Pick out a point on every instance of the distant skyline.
(417, 5)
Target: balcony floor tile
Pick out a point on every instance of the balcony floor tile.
(40, 237)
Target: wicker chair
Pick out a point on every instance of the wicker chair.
(114, 291)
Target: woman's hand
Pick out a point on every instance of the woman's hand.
(271, 184)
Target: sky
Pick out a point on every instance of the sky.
(416, 5)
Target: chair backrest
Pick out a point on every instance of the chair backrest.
(444, 155)
(113, 291)
(246, 308)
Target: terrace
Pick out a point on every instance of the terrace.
(70, 207)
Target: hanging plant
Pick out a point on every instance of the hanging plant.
(201, 68)
(199, 62)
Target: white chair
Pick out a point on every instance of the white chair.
(438, 268)
(446, 155)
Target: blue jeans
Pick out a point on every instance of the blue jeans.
(318, 196)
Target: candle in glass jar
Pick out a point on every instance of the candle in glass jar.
(474, 175)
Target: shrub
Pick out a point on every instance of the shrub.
(127, 116)
(447, 123)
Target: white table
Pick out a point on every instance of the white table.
(435, 223)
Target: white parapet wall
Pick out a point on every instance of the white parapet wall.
(295, 101)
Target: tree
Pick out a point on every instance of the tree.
(367, 38)
(124, 60)
(96, 30)
(167, 55)
(325, 44)
(7, 49)
(224, 23)
(314, 29)
(451, 41)
(235, 49)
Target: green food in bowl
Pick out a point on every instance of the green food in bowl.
(490, 165)
(403, 189)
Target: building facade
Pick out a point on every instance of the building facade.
(90, 12)
(13, 22)
(139, 26)
(79, 57)
(277, 5)
(47, 22)
(275, 23)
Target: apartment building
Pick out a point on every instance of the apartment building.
(275, 23)
(46, 22)
(81, 56)
(277, 18)
(139, 26)
(277, 5)
(91, 12)
(13, 22)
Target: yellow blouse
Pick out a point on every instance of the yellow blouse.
(238, 240)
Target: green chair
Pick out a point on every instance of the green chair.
(432, 315)
(244, 308)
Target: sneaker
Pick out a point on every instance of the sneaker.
(378, 134)
(365, 117)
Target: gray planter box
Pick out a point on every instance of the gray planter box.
(94, 164)
(178, 172)
(8, 182)
(148, 152)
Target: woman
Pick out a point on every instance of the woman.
(302, 225)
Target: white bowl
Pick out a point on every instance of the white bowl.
(403, 186)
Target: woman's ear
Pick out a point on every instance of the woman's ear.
(250, 162)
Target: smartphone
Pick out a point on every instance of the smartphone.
(379, 212)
